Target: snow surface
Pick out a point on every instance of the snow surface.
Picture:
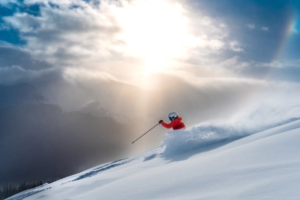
(204, 162)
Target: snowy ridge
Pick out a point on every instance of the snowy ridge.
(30, 192)
(205, 162)
(146, 156)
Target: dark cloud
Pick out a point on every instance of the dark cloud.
(18, 75)
(13, 56)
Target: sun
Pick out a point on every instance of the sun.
(156, 31)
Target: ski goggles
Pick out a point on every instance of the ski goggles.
(171, 119)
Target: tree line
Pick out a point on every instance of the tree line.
(9, 190)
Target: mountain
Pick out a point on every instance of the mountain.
(42, 142)
(209, 163)
(21, 93)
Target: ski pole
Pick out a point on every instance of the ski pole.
(144, 133)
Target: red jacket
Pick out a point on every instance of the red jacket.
(176, 124)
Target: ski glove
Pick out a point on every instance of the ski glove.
(160, 121)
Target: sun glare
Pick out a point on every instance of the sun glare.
(155, 31)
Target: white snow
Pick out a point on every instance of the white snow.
(200, 163)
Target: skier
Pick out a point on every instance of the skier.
(176, 122)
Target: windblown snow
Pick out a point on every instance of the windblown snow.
(204, 162)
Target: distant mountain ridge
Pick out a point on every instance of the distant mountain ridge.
(20, 93)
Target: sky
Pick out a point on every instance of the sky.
(87, 77)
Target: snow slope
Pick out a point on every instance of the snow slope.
(201, 163)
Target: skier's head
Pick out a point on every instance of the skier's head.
(172, 116)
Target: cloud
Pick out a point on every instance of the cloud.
(16, 75)
(283, 70)
(16, 56)
(3, 27)
(235, 63)
(295, 63)
(78, 33)
(62, 35)
(235, 46)
(251, 26)
(86, 50)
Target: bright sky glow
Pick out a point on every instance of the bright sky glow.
(154, 30)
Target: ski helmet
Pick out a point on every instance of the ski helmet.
(172, 116)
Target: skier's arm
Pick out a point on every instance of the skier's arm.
(167, 125)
